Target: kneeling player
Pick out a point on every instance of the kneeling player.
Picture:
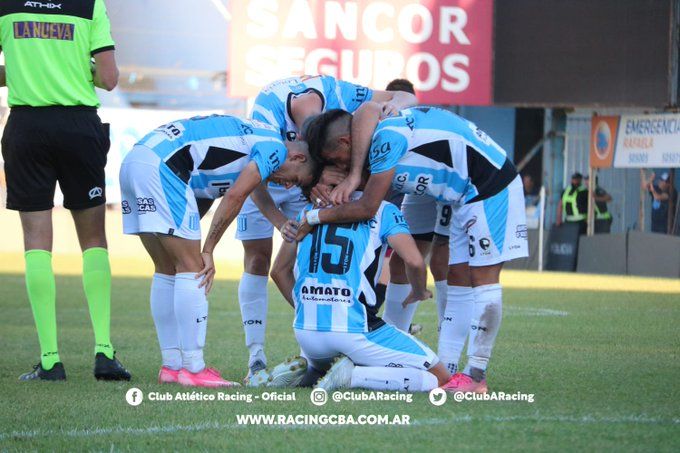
(163, 180)
(332, 289)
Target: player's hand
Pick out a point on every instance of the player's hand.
(388, 109)
(332, 175)
(416, 297)
(289, 230)
(343, 191)
(303, 229)
(208, 272)
(320, 195)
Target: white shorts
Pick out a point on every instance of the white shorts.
(385, 346)
(252, 224)
(490, 231)
(154, 200)
(426, 216)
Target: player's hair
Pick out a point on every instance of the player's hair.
(401, 85)
(316, 131)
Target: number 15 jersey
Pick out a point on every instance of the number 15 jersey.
(336, 270)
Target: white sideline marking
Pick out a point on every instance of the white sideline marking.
(214, 426)
(527, 311)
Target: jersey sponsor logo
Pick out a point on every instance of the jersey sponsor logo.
(125, 206)
(312, 291)
(521, 231)
(43, 30)
(399, 181)
(43, 5)
(360, 94)
(172, 130)
(145, 205)
(95, 192)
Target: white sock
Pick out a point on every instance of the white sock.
(252, 298)
(191, 310)
(389, 378)
(163, 314)
(485, 323)
(441, 296)
(455, 325)
(394, 313)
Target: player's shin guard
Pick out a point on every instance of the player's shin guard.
(42, 296)
(252, 298)
(97, 286)
(441, 296)
(485, 325)
(395, 314)
(163, 313)
(455, 325)
(393, 379)
(191, 310)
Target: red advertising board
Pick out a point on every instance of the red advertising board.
(443, 47)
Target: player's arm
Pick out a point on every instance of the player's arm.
(364, 122)
(393, 101)
(3, 76)
(105, 71)
(265, 203)
(416, 272)
(304, 106)
(226, 212)
(282, 270)
(364, 208)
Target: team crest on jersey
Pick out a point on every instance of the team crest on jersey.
(313, 291)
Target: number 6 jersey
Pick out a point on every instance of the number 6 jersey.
(336, 270)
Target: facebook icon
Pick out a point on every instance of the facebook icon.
(134, 396)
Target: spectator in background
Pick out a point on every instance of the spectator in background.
(531, 200)
(603, 218)
(530, 191)
(662, 199)
(574, 206)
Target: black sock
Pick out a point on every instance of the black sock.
(311, 377)
(379, 295)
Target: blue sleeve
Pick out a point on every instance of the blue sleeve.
(387, 148)
(268, 155)
(392, 222)
(354, 95)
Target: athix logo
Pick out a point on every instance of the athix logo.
(43, 5)
(95, 192)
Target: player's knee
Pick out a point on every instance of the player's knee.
(485, 275)
(257, 263)
(459, 275)
(397, 269)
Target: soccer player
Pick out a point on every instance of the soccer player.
(286, 104)
(333, 291)
(54, 134)
(430, 151)
(164, 179)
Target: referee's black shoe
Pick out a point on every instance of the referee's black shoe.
(56, 373)
(106, 369)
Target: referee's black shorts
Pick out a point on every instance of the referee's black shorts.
(43, 145)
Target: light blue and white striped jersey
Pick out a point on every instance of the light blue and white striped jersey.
(209, 152)
(272, 105)
(336, 270)
(436, 152)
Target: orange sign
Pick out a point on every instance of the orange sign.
(604, 131)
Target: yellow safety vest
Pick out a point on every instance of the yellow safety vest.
(570, 206)
(604, 214)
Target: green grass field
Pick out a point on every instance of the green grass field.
(604, 368)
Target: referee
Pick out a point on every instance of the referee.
(53, 134)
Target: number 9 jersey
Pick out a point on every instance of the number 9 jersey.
(336, 270)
